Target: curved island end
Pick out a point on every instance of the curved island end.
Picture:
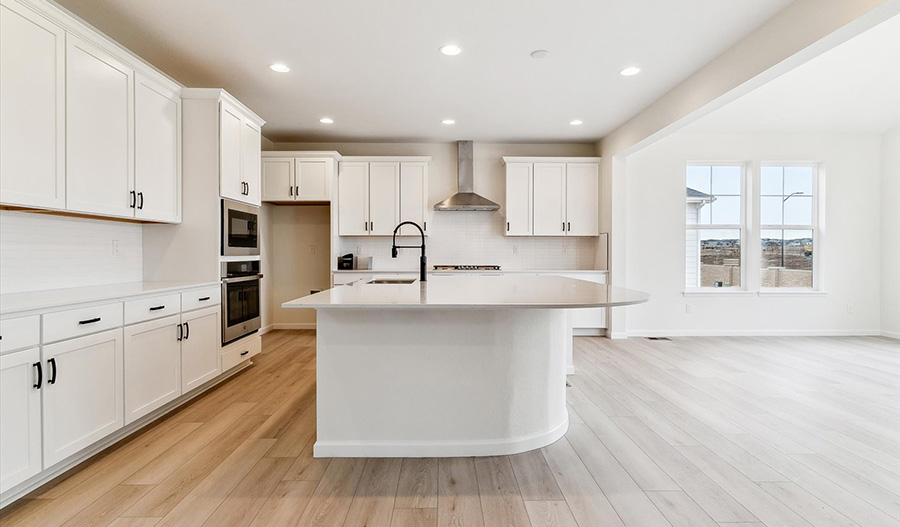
(456, 366)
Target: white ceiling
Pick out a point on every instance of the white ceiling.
(854, 87)
(374, 65)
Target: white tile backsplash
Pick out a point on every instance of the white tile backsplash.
(42, 251)
(476, 238)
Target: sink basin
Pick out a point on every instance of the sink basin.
(392, 281)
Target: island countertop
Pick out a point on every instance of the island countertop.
(473, 292)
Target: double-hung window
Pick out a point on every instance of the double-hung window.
(715, 225)
(787, 222)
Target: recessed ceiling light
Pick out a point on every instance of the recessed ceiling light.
(326, 120)
(576, 122)
(280, 68)
(451, 49)
(448, 121)
(540, 54)
(630, 70)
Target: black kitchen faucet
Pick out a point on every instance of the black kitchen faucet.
(422, 261)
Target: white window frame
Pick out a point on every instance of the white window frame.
(818, 186)
(742, 227)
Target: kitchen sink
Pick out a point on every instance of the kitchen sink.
(392, 281)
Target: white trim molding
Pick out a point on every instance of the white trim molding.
(637, 333)
(488, 447)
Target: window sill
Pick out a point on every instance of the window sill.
(721, 292)
(792, 292)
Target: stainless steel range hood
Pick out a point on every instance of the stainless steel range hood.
(466, 198)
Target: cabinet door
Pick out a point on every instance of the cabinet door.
(519, 199)
(152, 366)
(582, 199)
(277, 179)
(20, 418)
(353, 199)
(157, 151)
(230, 183)
(313, 179)
(200, 347)
(84, 403)
(99, 164)
(32, 109)
(413, 196)
(251, 150)
(384, 197)
(549, 199)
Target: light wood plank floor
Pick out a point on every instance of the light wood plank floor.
(717, 432)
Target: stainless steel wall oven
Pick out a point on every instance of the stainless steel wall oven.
(240, 299)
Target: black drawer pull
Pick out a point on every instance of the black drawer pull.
(40, 375)
(52, 362)
(204, 299)
(244, 353)
(157, 308)
(187, 330)
(180, 332)
(89, 321)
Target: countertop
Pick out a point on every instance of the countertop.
(54, 298)
(507, 291)
(502, 271)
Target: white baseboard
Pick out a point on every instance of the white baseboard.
(295, 325)
(75, 459)
(890, 334)
(493, 447)
(266, 329)
(615, 335)
(754, 333)
(570, 370)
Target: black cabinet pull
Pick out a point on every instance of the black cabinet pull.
(568, 226)
(204, 299)
(507, 226)
(141, 198)
(371, 226)
(157, 308)
(89, 321)
(297, 191)
(52, 362)
(133, 199)
(187, 331)
(244, 353)
(40, 373)
(290, 190)
(425, 226)
(180, 332)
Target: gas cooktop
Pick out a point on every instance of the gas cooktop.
(466, 267)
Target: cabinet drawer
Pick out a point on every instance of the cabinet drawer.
(206, 297)
(18, 333)
(240, 351)
(150, 308)
(77, 322)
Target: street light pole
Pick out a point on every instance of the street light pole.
(789, 196)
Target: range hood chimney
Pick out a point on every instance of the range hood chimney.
(466, 198)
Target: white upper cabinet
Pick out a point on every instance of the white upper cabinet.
(313, 180)
(251, 147)
(157, 151)
(99, 164)
(384, 197)
(582, 199)
(353, 199)
(278, 179)
(519, 197)
(375, 194)
(298, 177)
(32, 109)
(552, 196)
(240, 141)
(549, 199)
(413, 196)
(231, 184)
(20, 417)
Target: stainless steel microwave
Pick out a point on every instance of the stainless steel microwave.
(240, 229)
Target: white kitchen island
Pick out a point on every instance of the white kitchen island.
(460, 365)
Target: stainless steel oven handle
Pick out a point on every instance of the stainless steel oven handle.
(242, 279)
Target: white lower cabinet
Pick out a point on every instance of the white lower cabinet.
(152, 366)
(20, 417)
(200, 347)
(83, 393)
